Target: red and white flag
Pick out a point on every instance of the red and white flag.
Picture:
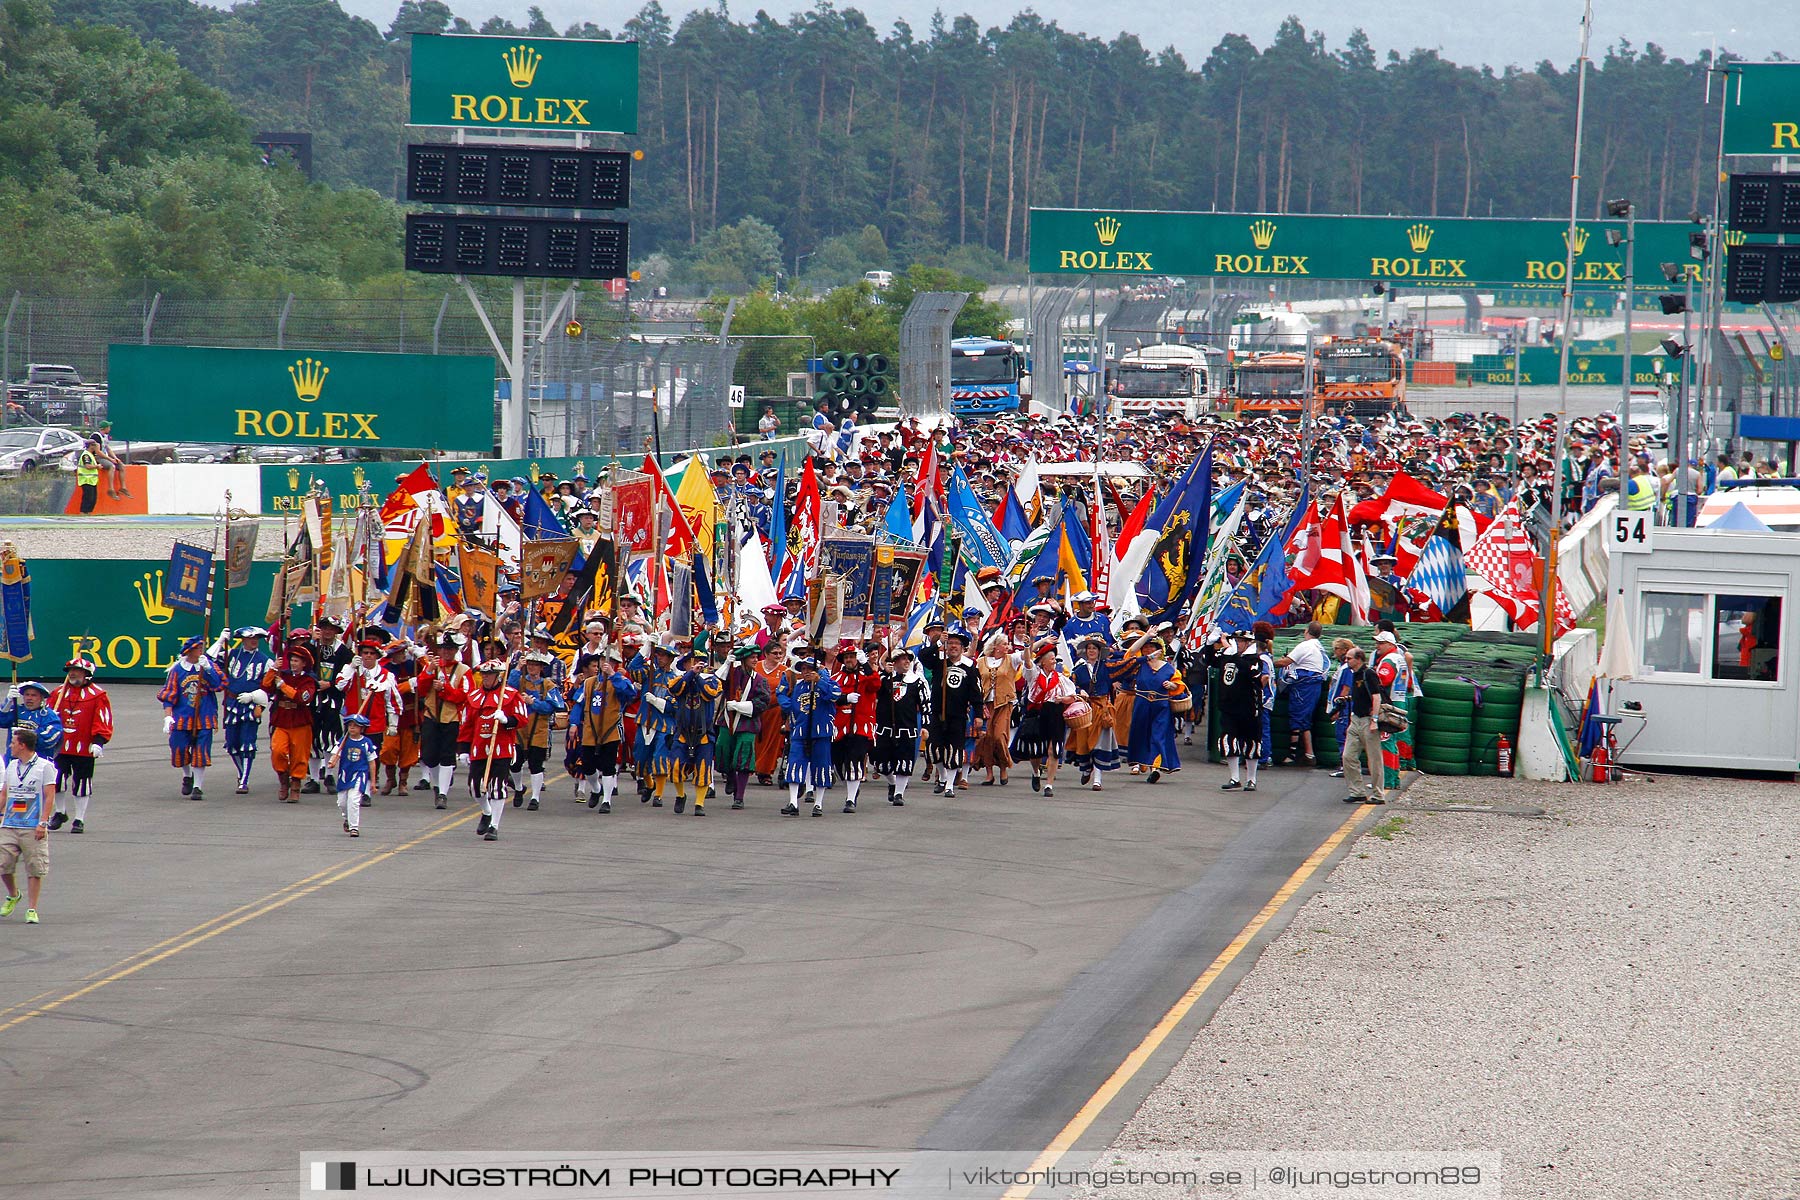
(1405, 497)
(681, 534)
(1329, 562)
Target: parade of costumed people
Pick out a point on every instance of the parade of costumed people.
(1097, 621)
(982, 605)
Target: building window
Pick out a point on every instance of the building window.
(1747, 638)
(1674, 632)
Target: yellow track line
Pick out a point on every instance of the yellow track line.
(206, 930)
(1134, 1062)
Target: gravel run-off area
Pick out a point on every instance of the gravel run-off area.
(1606, 995)
(128, 537)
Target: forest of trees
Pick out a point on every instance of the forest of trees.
(827, 142)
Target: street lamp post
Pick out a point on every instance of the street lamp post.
(1628, 210)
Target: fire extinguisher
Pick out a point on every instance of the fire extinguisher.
(1504, 757)
(1599, 759)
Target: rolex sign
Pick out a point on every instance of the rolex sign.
(566, 84)
(301, 397)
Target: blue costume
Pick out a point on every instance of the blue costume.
(1152, 724)
(811, 707)
(1268, 706)
(1077, 629)
(1097, 681)
(244, 671)
(191, 697)
(654, 752)
(44, 719)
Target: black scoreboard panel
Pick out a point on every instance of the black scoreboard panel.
(1764, 203)
(535, 247)
(525, 176)
(1760, 273)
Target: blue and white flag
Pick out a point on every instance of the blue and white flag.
(1180, 525)
(1266, 583)
(899, 515)
(982, 545)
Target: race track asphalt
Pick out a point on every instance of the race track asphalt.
(217, 986)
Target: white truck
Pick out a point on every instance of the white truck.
(1167, 378)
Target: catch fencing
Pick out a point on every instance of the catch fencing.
(632, 374)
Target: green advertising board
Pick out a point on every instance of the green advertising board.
(1538, 367)
(566, 84)
(1762, 108)
(284, 488)
(1442, 252)
(114, 611)
(301, 397)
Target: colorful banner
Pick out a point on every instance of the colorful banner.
(240, 551)
(190, 577)
(15, 606)
(851, 559)
(542, 566)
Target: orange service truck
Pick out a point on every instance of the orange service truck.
(1360, 377)
(1270, 384)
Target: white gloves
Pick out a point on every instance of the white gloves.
(168, 725)
(462, 760)
(724, 670)
(852, 697)
(99, 749)
(741, 707)
(259, 698)
(658, 703)
(218, 648)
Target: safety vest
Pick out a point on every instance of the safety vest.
(1640, 496)
(87, 469)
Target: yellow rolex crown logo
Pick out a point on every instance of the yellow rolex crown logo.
(150, 598)
(359, 477)
(1108, 229)
(521, 65)
(533, 472)
(293, 479)
(1735, 237)
(1419, 238)
(308, 375)
(1581, 364)
(1579, 242)
(1262, 233)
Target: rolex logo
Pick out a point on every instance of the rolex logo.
(1262, 233)
(1108, 229)
(533, 472)
(293, 479)
(308, 375)
(1578, 243)
(521, 65)
(1735, 237)
(1419, 238)
(360, 478)
(1581, 364)
(150, 597)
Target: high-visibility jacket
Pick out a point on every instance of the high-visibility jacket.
(1640, 494)
(87, 469)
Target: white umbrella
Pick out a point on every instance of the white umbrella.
(1618, 658)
